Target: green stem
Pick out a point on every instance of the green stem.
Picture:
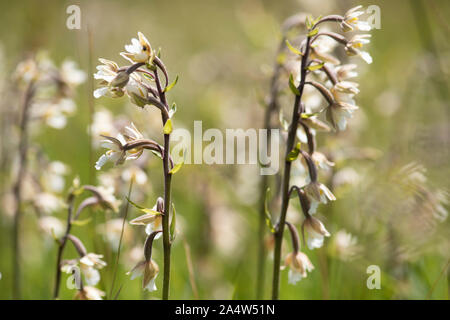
(165, 219)
(167, 183)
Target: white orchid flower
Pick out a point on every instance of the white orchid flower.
(299, 264)
(352, 22)
(149, 271)
(316, 232)
(116, 152)
(139, 50)
(355, 44)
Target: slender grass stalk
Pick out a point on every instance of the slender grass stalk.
(17, 190)
(297, 110)
(91, 104)
(444, 270)
(121, 238)
(187, 250)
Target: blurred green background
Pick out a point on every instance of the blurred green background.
(223, 52)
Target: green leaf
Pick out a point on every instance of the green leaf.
(76, 189)
(176, 167)
(143, 209)
(170, 86)
(173, 223)
(294, 153)
(313, 32)
(81, 223)
(308, 22)
(292, 86)
(309, 115)
(316, 66)
(134, 204)
(266, 211)
(317, 19)
(292, 49)
(168, 127)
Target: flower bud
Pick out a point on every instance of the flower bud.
(120, 80)
(160, 205)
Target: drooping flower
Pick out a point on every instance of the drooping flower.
(48, 203)
(344, 88)
(346, 71)
(89, 265)
(345, 245)
(108, 198)
(152, 220)
(51, 226)
(93, 260)
(54, 113)
(139, 50)
(116, 152)
(355, 44)
(343, 104)
(316, 232)
(137, 90)
(53, 177)
(103, 123)
(318, 192)
(352, 22)
(70, 74)
(112, 231)
(115, 83)
(149, 271)
(299, 264)
(338, 115)
(89, 293)
(27, 71)
(107, 72)
(346, 176)
(322, 48)
(136, 174)
(321, 161)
